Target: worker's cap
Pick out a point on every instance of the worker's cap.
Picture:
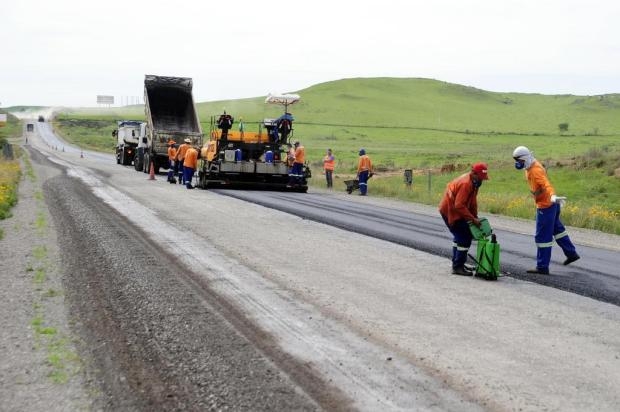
(481, 170)
(362, 152)
(187, 141)
(296, 143)
(171, 142)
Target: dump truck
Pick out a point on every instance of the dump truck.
(170, 115)
(128, 134)
(255, 160)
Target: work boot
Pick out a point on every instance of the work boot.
(539, 271)
(461, 271)
(571, 259)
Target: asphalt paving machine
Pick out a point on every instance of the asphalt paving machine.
(251, 160)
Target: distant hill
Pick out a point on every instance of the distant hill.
(432, 104)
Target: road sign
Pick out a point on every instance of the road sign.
(105, 99)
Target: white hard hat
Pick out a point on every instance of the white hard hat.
(521, 152)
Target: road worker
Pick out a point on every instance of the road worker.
(459, 208)
(549, 227)
(290, 156)
(241, 128)
(284, 126)
(225, 123)
(181, 157)
(190, 164)
(328, 166)
(172, 154)
(297, 171)
(364, 171)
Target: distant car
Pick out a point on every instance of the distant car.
(41, 118)
(30, 127)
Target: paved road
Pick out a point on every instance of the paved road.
(46, 134)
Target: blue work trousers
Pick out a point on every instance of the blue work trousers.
(188, 175)
(549, 227)
(297, 173)
(170, 170)
(461, 241)
(180, 170)
(363, 177)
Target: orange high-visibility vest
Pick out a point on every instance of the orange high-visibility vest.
(364, 164)
(300, 154)
(181, 152)
(191, 158)
(459, 200)
(172, 153)
(329, 162)
(540, 187)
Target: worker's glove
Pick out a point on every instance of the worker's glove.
(560, 200)
(476, 222)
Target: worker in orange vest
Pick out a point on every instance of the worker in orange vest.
(172, 154)
(181, 157)
(290, 156)
(364, 171)
(190, 164)
(459, 208)
(549, 227)
(328, 165)
(297, 171)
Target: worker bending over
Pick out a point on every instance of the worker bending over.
(459, 208)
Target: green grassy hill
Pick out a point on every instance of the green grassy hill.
(431, 104)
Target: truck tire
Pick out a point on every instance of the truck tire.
(138, 163)
(118, 158)
(123, 157)
(147, 163)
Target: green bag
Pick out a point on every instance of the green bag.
(481, 232)
(487, 256)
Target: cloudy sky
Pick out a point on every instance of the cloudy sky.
(66, 52)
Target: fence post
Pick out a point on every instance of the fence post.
(408, 176)
(429, 183)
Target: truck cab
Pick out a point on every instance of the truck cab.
(128, 134)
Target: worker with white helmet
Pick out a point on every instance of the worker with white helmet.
(549, 227)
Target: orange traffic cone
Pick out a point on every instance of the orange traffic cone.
(152, 172)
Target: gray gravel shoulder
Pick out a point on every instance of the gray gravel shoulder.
(39, 366)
